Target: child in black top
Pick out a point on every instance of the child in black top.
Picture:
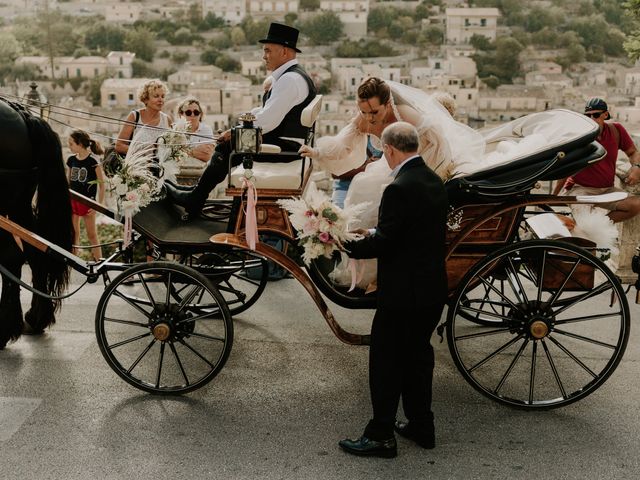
(87, 178)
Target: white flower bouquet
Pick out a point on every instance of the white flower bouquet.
(322, 227)
(134, 185)
(173, 147)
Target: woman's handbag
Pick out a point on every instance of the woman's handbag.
(112, 160)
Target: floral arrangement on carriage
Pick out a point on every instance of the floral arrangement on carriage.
(322, 227)
(139, 177)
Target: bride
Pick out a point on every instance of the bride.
(448, 147)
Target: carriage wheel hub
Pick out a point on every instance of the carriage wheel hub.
(161, 332)
(539, 329)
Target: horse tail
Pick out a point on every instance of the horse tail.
(53, 207)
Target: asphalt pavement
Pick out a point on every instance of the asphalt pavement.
(289, 391)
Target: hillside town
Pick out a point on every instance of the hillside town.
(106, 84)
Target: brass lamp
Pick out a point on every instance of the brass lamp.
(246, 139)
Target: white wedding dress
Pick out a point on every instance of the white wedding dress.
(448, 147)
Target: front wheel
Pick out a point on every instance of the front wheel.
(164, 328)
(551, 333)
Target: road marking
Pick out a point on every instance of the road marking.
(13, 412)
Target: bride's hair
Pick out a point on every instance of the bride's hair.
(374, 87)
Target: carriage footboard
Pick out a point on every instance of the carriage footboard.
(235, 241)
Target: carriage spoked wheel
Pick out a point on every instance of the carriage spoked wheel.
(168, 332)
(552, 335)
(239, 276)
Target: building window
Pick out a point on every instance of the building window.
(469, 97)
(466, 22)
(483, 22)
(95, 72)
(227, 95)
(335, 129)
(112, 97)
(131, 97)
(121, 60)
(437, 65)
(327, 129)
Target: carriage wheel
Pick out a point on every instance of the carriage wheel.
(240, 276)
(553, 334)
(169, 331)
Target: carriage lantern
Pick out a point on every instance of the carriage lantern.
(246, 139)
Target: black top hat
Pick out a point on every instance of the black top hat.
(282, 35)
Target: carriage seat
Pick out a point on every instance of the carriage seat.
(283, 175)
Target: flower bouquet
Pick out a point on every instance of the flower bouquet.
(139, 178)
(134, 186)
(173, 149)
(322, 227)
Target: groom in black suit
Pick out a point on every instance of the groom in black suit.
(409, 242)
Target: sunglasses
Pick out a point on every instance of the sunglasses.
(594, 114)
(188, 113)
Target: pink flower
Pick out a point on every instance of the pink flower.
(325, 237)
(309, 213)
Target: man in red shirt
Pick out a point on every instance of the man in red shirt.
(599, 177)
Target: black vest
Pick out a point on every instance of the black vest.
(290, 125)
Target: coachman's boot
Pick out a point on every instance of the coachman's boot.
(193, 201)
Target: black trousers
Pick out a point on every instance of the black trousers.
(401, 361)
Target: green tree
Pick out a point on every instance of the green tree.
(93, 89)
(76, 82)
(400, 26)
(105, 37)
(323, 28)
(141, 41)
(480, 42)
(212, 21)
(433, 35)
(182, 36)
(143, 69)
(253, 30)
(228, 64)
(237, 36)
(10, 48)
(380, 18)
(179, 57)
(209, 56)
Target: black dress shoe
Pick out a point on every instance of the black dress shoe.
(425, 438)
(365, 447)
(185, 199)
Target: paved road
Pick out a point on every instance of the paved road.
(289, 391)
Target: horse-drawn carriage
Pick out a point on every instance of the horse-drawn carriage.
(516, 324)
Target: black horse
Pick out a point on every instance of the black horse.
(31, 163)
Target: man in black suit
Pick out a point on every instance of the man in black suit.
(409, 242)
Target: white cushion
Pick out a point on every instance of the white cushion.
(272, 175)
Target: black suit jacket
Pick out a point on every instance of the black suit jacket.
(409, 240)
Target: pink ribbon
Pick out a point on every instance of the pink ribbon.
(128, 230)
(355, 266)
(251, 222)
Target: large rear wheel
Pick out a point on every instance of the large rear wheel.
(548, 333)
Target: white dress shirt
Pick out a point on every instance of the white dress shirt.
(288, 90)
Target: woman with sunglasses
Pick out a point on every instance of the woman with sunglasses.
(201, 138)
(599, 178)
